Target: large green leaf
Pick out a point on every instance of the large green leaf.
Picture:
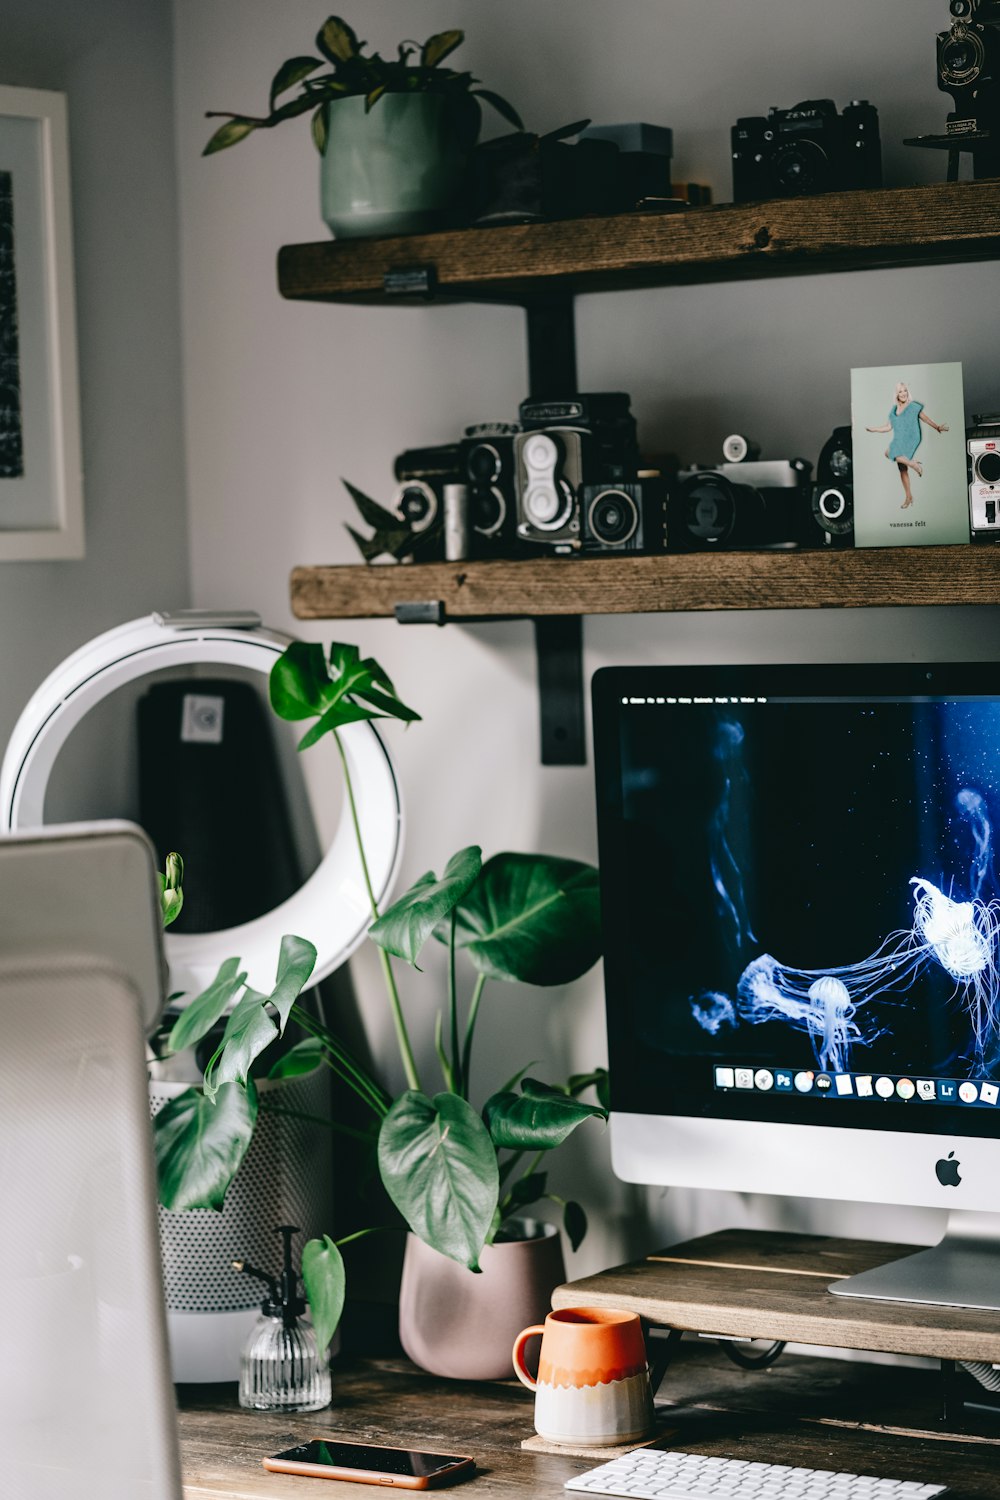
(200, 1145)
(440, 1169)
(248, 1032)
(536, 1120)
(325, 1283)
(296, 961)
(203, 1012)
(407, 924)
(532, 917)
(307, 684)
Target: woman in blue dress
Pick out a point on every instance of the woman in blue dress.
(905, 417)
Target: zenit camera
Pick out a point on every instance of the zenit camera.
(833, 489)
(968, 65)
(567, 446)
(983, 442)
(752, 503)
(806, 149)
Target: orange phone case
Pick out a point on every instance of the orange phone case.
(463, 1466)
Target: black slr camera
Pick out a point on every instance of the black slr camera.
(461, 495)
(833, 491)
(806, 149)
(579, 488)
(743, 504)
(968, 65)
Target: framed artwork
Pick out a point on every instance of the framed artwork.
(908, 431)
(41, 489)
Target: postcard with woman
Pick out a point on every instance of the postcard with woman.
(908, 428)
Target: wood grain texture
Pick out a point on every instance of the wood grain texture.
(517, 262)
(727, 1284)
(637, 585)
(817, 1413)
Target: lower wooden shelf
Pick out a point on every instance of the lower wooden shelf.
(764, 1285)
(610, 585)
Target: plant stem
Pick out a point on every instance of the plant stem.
(458, 1071)
(470, 1027)
(402, 1036)
(341, 1061)
(334, 1125)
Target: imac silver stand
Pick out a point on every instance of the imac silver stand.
(963, 1270)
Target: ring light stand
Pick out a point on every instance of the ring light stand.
(331, 908)
(287, 1173)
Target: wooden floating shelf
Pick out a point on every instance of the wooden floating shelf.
(519, 262)
(638, 585)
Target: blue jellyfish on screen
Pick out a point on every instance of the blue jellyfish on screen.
(961, 937)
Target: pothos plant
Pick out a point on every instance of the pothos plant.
(416, 69)
(455, 1173)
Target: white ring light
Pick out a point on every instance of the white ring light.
(331, 907)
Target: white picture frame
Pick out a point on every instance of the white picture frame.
(41, 480)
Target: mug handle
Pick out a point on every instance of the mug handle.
(520, 1368)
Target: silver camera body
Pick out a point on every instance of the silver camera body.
(983, 443)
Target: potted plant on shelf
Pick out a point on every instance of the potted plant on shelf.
(460, 1177)
(395, 136)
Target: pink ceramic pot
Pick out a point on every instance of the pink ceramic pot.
(463, 1326)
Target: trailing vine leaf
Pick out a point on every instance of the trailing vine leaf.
(538, 1119)
(200, 1144)
(439, 1167)
(290, 73)
(197, 1020)
(438, 47)
(501, 106)
(321, 127)
(326, 1284)
(403, 929)
(235, 129)
(532, 917)
(337, 41)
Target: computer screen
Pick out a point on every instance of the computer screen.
(800, 899)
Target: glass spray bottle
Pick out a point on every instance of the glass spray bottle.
(282, 1367)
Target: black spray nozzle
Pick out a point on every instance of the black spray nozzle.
(283, 1298)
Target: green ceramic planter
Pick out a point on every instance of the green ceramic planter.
(398, 168)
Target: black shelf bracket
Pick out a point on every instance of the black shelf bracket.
(559, 648)
(551, 346)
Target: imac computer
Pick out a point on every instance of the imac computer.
(801, 905)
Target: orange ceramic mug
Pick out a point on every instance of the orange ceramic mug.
(593, 1380)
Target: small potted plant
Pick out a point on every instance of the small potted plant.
(395, 135)
(461, 1177)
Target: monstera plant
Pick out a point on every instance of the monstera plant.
(457, 1173)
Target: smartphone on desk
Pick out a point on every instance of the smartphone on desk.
(407, 1468)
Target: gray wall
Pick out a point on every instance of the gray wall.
(283, 399)
(114, 60)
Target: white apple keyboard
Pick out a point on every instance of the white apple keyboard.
(652, 1474)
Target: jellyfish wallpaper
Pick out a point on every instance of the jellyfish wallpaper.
(810, 885)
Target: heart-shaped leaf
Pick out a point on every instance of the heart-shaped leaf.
(291, 72)
(536, 1120)
(532, 917)
(439, 1167)
(305, 684)
(203, 1012)
(407, 924)
(200, 1145)
(326, 1283)
(439, 46)
(248, 1031)
(336, 40)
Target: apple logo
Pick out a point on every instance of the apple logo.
(947, 1170)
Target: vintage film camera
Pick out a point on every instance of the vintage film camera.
(806, 149)
(464, 491)
(983, 441)
(567, 453)
(833, 490)
(745, 503)
(968, 65)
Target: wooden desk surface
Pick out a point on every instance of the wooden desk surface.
(818, 1413)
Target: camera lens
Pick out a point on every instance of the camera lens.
(801, 167)
(840, 464)
(832, 505)
(960, 9)
(709, 508)
(483, 464)
(613, 517)
(417, 503)
(988, 467)
(961, 58)
(487, 509)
